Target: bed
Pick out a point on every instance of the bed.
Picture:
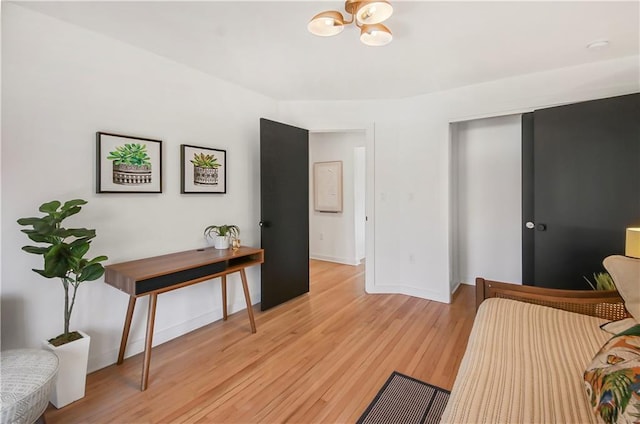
(527, 353)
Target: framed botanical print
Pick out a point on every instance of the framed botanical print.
(127, 164)
(203, 169)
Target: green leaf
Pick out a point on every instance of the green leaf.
(80, 241)
(50, 207)
(55, 261)
(91, 272)
(74, 264)
(61, 232)
(73, 203)
(37, 237)
(74, 232)
(29, 221)
(83, 232)
(55, 268)
(79, 250)
(52, 220)
(35, 250)
(68, 212)
(54, 250)
(44, 227)
(45, 275)
(97, 259)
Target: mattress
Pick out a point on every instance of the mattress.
(524, 364)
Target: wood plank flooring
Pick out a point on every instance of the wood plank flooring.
(319, 358)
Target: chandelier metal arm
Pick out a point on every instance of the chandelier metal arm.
(352, 6)
(353, 19)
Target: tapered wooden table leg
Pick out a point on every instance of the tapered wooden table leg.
(223, 283)
(247, 298)
(153, 300)
(126, 329)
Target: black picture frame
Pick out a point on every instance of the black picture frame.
(140, 171)
(203, 179)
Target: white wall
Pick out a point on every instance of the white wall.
(488, 212)
(61, 84)
(359, 200)
(412, 159)
(332, 236)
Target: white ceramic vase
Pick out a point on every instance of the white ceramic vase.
(72, 373)
(221, 242)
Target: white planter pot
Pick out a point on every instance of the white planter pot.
(72, 374)
(221, 242)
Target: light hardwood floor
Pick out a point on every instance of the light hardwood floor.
(319, 358)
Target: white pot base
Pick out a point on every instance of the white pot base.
(72, 374)
(221, 242)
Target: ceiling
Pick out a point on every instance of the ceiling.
(265, 46)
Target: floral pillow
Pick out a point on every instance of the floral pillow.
(617, 327)
(612, 380)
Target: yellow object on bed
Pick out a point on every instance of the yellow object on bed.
(524, 363)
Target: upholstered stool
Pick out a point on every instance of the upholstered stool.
(27, 378)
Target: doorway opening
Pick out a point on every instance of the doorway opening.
(486, 207)
(344, 237)
(339, 236)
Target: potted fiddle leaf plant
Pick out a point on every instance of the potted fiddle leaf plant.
(221, 234)
(64, 251)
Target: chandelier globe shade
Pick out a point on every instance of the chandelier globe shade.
(326, 24)
(375, 35)
(373, 12)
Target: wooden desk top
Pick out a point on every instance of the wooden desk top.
(174, 268)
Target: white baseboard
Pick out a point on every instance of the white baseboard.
(335, 259)
(411, 291)
(110, 357)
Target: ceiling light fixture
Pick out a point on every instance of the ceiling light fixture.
(367, 15)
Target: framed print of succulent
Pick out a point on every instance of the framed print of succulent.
(203, 170)
(127, 164)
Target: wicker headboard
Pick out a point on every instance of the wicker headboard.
(606, 304)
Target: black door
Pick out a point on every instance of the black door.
(284, 208)
(581, 188)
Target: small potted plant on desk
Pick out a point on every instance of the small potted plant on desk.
(63, 251)
(221, 234)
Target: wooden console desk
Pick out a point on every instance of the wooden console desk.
(159, 274)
